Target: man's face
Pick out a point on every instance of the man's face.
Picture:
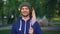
(25, 11)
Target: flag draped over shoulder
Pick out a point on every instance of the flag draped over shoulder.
(33, 20)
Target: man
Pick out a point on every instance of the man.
(27, 23)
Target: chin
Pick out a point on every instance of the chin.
(25, 15)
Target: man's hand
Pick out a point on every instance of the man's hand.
(31, 30)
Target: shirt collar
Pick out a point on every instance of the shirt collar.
(24, 20)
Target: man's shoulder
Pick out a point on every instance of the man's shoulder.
(16, 22)
(36, 23)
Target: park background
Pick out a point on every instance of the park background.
(47, 13)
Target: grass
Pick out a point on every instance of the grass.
(51, 32)
(44, 32)
(5, 25)
(5, 32)
(56, 19)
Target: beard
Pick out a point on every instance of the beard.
(25, 15)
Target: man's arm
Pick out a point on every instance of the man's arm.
(13, 30)
(38, 28)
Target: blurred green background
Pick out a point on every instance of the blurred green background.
(9, 13)
(50, 8)
(44, 32)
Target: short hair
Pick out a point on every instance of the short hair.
(26, 4)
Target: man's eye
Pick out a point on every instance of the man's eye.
(26, 8)
(22, 8)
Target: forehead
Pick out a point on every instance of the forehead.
(25, 7)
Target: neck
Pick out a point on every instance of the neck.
(25, 18)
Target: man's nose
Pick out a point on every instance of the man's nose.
(24, 9)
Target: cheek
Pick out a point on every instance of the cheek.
(22, 11)
(25, 11)
(28, 11)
